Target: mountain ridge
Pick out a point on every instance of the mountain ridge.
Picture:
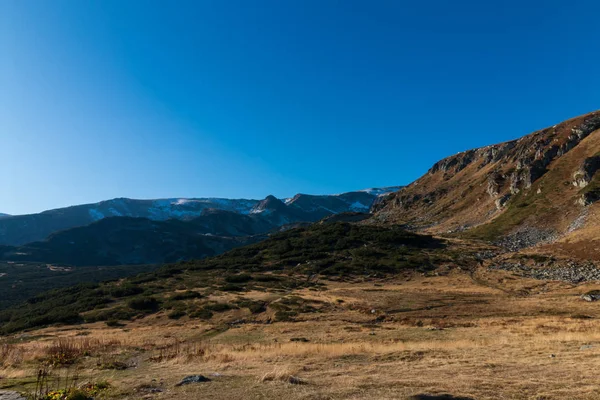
(22, 229)
(539, 189)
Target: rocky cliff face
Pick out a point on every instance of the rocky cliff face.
(541, 180)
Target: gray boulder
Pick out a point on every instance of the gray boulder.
(193, 379)
(10, 395)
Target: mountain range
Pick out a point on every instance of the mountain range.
(536, 194)
(510, 204)
(539, 190)
(127, 231)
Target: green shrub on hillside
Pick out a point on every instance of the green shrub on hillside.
(287, 261)
(143, 304)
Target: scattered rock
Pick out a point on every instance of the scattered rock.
(299, 339)
(193, 379)
(527, 237)
(381, 318)
(592, 295)
(586, 347)
(294, 380)
(152, 390)
(567, 271)
(579, 222)
(438, 397)
(10, 395)
(587, 297)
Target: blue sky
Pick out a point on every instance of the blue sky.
(147, 99)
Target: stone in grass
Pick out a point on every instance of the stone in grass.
(10, 395)
(438, 397)
(193, 379)
(294, 380)
(299, 339)
(593, 295)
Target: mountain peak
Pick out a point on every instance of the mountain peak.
(268, 205)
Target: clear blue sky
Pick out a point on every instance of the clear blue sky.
(146, 99)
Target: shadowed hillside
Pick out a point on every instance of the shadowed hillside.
(124, 240)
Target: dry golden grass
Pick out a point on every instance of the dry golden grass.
(485, 336)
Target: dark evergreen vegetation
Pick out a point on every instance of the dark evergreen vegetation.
(289, 260)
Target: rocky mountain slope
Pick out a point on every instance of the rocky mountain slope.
(19, 230)
(542, 188)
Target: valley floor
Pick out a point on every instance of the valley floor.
(481, 335)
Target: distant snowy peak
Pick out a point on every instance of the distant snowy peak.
(382, 191)
(327, 205)
(164, 209)
(21, 229)
(269, 205)
(183, 208)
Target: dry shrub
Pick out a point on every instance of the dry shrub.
(66, 351)
(10, 355)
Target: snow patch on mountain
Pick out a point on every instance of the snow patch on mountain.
(180, 202)
(381, 191)
(114, 212)
(359, 207)
(95, 214)
(263, 211)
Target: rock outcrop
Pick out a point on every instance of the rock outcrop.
(583, 176)
(589, 198)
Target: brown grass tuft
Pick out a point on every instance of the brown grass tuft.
(282, 374)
